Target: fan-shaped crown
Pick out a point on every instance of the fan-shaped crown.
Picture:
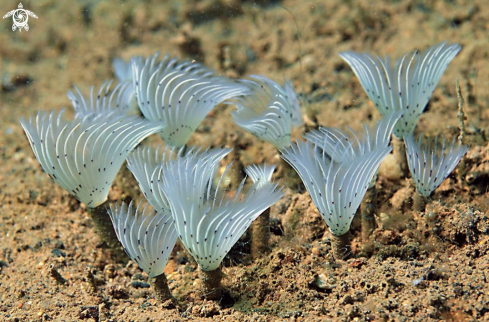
(339, 145)
(147, 236)
(407, 86)
(266, 112)
(208, 222)
(430, 167)
(116, 101)
(179, 94)
(83, 156)
(336, 188)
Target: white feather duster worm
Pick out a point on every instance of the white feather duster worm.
(266, 113)
(336, 188)
(407, 86)
(340, 145)
(208, 222)
(179, 94)
(145, 165)
(430, 167)
(83, 156)
(148, 237)
(115, 101)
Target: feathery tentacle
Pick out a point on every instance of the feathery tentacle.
(106, 101)
(407, 86)
(147, 236)
(83, 156)
(266, 113)
(179, 94)
(430, 167)
(145, 164)
(336, 188)
(208, 222)
(341, 145)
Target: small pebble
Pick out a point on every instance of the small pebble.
(325, 283)
(139, 284)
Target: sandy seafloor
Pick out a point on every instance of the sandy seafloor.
(413, 268)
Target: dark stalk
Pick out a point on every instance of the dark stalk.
(399, 151)
(341, 246)
(368, 213)
(419, 202)
(161, 289)
(211, 283)
(103, 224)
(260, 235)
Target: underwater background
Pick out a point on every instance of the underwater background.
(414, 267)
